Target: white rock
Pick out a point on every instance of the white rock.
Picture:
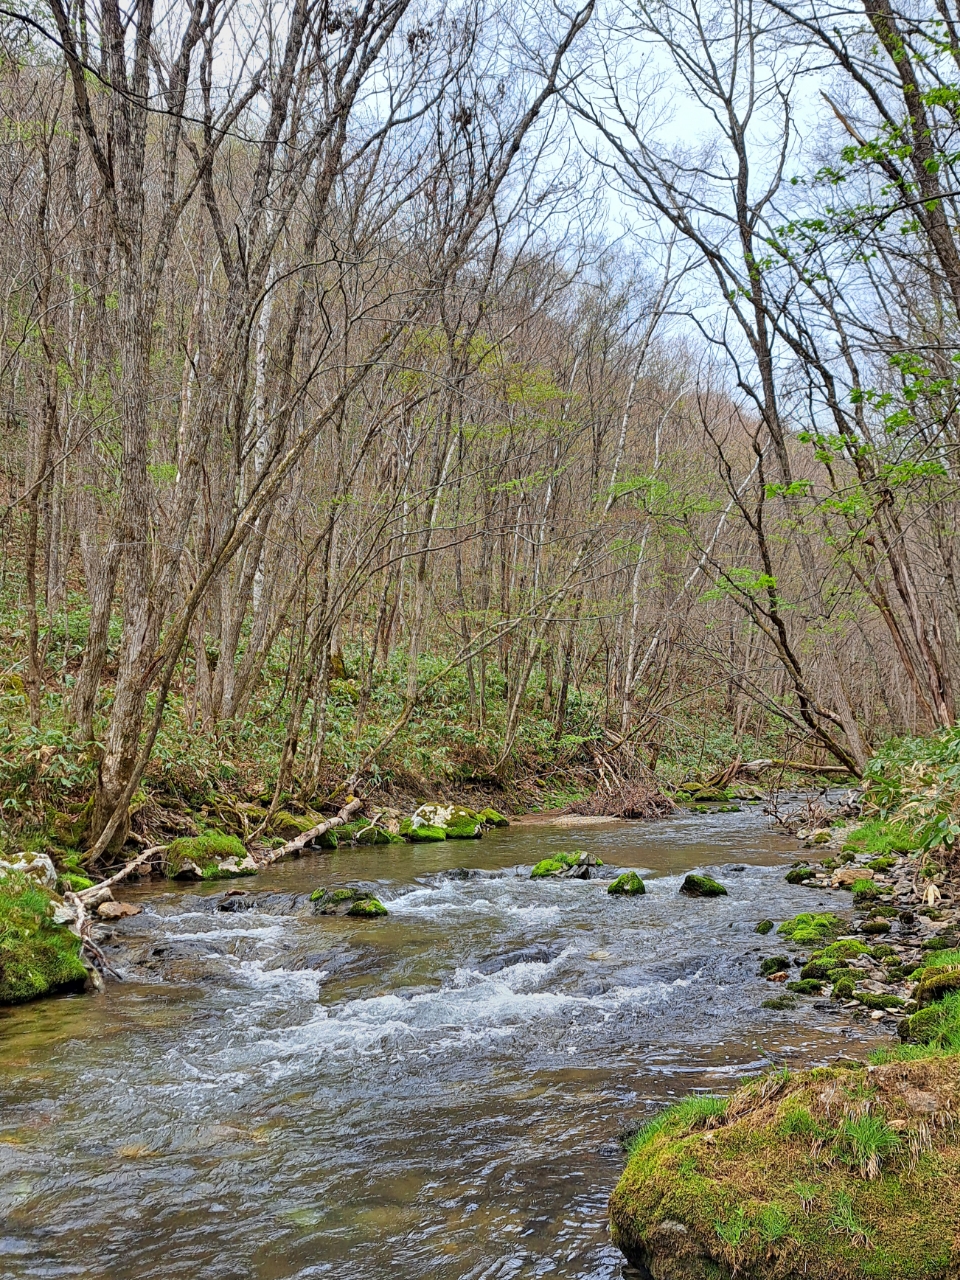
(39, 866)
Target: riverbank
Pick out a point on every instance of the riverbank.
(845, 1172)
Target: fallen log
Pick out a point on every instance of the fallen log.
(353, 805)
(755, 767)
(86, 894)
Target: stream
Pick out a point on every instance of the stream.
(438, 1093)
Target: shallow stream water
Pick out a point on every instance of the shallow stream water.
(435, 1094)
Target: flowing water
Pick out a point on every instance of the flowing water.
(435, 1094)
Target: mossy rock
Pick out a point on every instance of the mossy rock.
(765, 927)
(779, 1002)
(805, 987)
(212, 856)
(347, 901)
(875, 926)
(371, 835)
(811, 928)
(290, 825)
(843, 989)
(878, 1000)
(925, 1026)
(800, 875)
(37, 956)
(490, 818)
(774, 964)
(456, 821)
(882, 864)
(629, 883)
(937, 983)
(567, 866)
(698, 886)
(368, 907)
(811, 1174)
(844, 949)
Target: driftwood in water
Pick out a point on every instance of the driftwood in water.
(295, 846)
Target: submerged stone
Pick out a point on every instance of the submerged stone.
(629, 883)
(698, 886)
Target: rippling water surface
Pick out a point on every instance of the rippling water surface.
(434, 1094)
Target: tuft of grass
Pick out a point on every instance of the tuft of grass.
(867, 1141)
(843, 1218)
(878, 836)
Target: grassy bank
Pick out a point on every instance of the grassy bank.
(847, 1172)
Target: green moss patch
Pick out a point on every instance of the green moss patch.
(698, 886)
(203, 857)
(834, 1173)
(809, 929)
(629, 883)
(37, 956)
(765, 927)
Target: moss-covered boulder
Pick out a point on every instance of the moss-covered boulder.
(764, 927)
(290, 825)
(774, 964)
(368, 907)
(831, 1174)
(490, 818)
(37, 955)
(212, 856)
(628, 884)
(566, 866)
(810, 929)
(697, 886)
(456, 822)
(421, 833)
(347, 901)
